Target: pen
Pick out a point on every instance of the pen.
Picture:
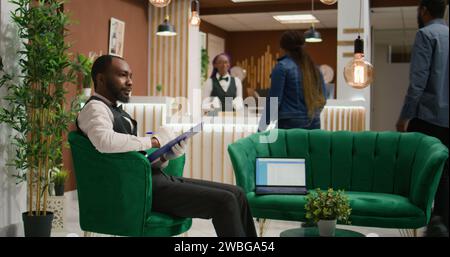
(149, 133)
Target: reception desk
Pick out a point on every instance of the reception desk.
(206, 156)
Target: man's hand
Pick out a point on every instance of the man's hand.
(176, 151)
(155, 143)
(402, 125)
(163, 136)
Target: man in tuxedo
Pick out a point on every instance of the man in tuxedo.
(112, 130)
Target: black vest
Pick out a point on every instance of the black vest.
(224, 97)
(120, 124)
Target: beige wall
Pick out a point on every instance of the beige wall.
(91, 32)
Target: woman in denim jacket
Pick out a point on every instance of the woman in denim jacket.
(299, 86)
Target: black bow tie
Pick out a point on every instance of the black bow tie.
(224, 78)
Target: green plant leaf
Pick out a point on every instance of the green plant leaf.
(328, 205)
(35, 98)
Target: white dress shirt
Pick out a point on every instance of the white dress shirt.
(214, 102)
(96, 121)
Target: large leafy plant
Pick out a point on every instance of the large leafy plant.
(83, 66)
(35, 98)
(328, 205)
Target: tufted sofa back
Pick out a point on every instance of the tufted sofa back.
(406, 164)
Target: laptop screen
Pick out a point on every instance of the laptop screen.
(280, 172)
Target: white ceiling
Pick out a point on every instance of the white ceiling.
(381, 19)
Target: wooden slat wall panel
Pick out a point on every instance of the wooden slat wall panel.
(259, 69)
(169, 56)
(343, 118)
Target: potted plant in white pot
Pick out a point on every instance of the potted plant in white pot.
(326, 208)
(35, 103)
(83, 66)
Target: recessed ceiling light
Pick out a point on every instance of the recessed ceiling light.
(297, 18)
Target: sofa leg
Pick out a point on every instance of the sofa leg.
(261, 223)
(87, 234)
(185, 234)
(408, 232)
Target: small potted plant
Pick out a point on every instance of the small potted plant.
(83, 66)
(59, 179)
(326, 208)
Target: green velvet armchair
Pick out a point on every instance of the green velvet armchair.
(115, 192)
(391, 178)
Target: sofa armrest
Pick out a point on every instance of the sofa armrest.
(114, 190)
(241, 159)
(426, 173)
(175, 167)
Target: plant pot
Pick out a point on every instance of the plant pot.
(326, 227)
(87, 92)
(37, 226)
(59, 190)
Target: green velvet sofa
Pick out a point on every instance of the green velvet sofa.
(115, 192)
(391, 178)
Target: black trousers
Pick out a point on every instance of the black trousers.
(225, 204)
(441, 201)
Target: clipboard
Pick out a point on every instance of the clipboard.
(167, 147)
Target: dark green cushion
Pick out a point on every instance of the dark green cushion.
(378, 206)
(403, 166)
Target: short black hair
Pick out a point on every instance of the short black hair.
(436, 8)
(100, 65)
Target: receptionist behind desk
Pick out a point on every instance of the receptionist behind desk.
(222, 91)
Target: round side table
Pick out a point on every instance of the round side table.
(314, 232)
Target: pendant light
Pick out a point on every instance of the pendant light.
(160, 3)
(195, 13)
(328, 2)
(312, 35)
(166, 29)
(358, 73)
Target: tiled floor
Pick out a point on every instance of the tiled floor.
(204, 228)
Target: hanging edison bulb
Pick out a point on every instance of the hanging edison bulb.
(195, 20)
(328, 2)
(358, 73)
(160, 3)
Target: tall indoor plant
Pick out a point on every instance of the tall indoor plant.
(36, 103)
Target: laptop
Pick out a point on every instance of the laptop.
(280, 176)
